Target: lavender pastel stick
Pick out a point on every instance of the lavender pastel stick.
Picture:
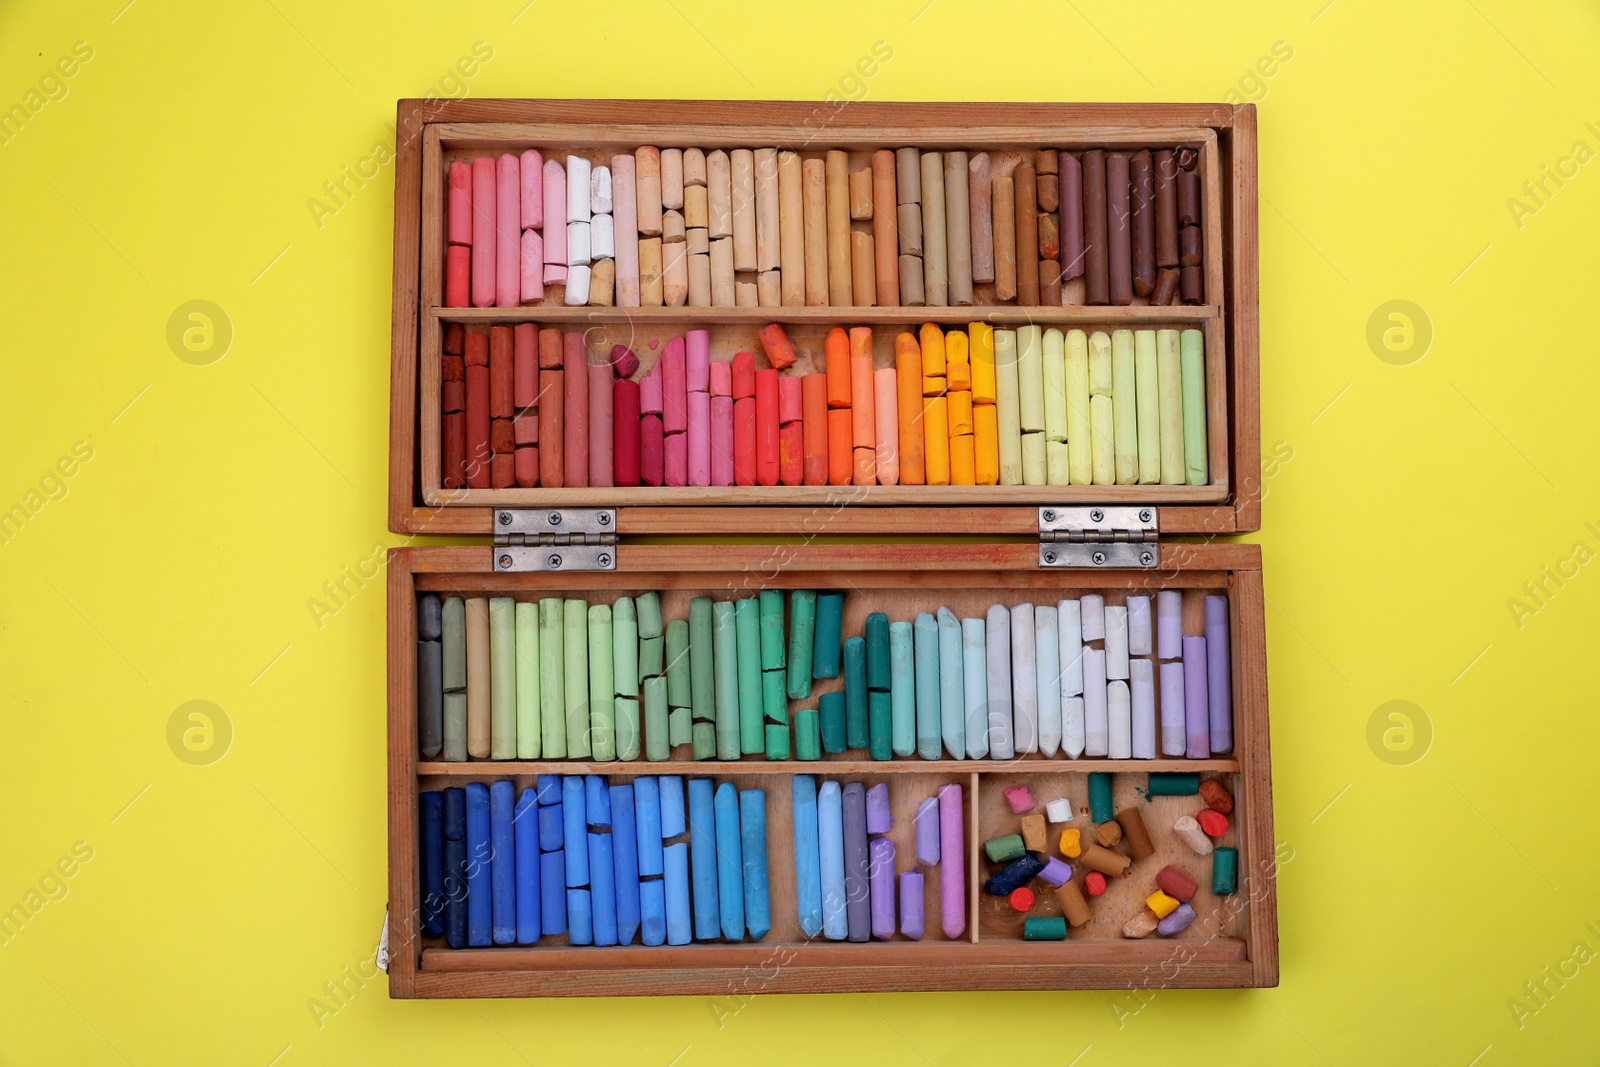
(911, 904)
(1219, 673)
(878, 809)
(952, 865)
(1196, 718)
(1173, 740)
(857, 863)
(880, 877)
(1169, 624)
(927, 825)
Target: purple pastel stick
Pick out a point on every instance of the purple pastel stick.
(881, 880)
(952, 869)
(1194, 697)
(927, 823)
(1177, 922)
(1056, 871)
(911, 904)
(1172, 722)
(1219, 675)
(878, 809)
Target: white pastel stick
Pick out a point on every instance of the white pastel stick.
(577, 294)
(975, 680)
(625, 229)
(998, 634)
(578, 244)
(1094, 617)
(1047, 653)
(1072, 727)
(1173, 738)
(1096, 731)
(1024, 681)
(1139, 625)
(602, 243)
(1116, 618)
(1143, 711)
(1069, 622)
(600, 190)
(1169, 624)
(1119, 720)
(577, 190)
(1059, 810)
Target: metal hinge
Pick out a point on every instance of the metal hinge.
(1100, 537)
(569, 539)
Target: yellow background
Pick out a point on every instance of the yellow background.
(178, 565)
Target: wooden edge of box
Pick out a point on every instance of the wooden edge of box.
(1244, 325)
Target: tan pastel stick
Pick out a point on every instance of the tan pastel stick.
(862, 279)
(979, 189)
(698, 240)
(769, 289)
(744, 289)
(1044, 161)
(695, 207)
(650, 271)
(699, 280)
(885, 240)
(672, 178)
(766, 179)
(719, 194)
(672, 227)
(602, 277)
(813, 178)
(958, 228)
(1005, 240)
(908, 176)
(1025, 205)
(838, 265)
(791, 230)
(742, 173)
(911, 294)
(860, 195)
(909, 222)
(722, 272)
(674, 274)
(935, 264)
(647, 186)
(694, 167)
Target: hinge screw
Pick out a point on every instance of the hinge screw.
(554, 561)
(1099, 558)
(1049, 516)
(1146, 558)
(505, 562)
(1049, 557)
(604, 559)
(1096, 515)
(505, 518)
(555, 518)
(1144, 515)
(605, 518)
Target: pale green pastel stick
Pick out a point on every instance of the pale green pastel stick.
(680, 726)
(657, 745)
(627, 719)
(1034, 464)
(1056, 469)
(1124, 411)
(529, 737)
(1169, 390)
(648, 609)
(679, 687)
(455, 728)
(625, 648)
(575, 655)
(602, 687)
(652, 657)
(1191, 349)
(502, 678)
(1099, 363)
(1147, 399)
(726, 667)
(552, 679)
(1030, 379)
(453, 623)
(1055, 386)
(1080, 461)
(1008, 401)
(1103, 440)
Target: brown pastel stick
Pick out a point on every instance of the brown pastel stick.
(817, 234)
(1142, 193)
(911, 294)
(1044, 161)
(791, 230)
(1135, 833)
(1050, 282)
(766, 180)
(1188, 198)
(1166, 287)
(1026, 208)
(838, 266)
(981, 231)
(1216, 796)
(1166, 182)
(501, 373)
(672, 178)
(722, 272)
(549, 349)
(650, 292)
(647, 190)
(696, 207)
(479, 449)
(501, 436)
(1097, 286)
(860, 195)
(1049, 187)
(1071, 227)
(575, 444)
(503, 471)
(1049, 237)
(1073, 904)
(1108, 833)
(1189, 246)
(552, 427)
(742, 170)
(455, 450)
(1005, 239)
(908, 222)
(1119, 230)
(862, 280)
(885, 239)
(1109, 863)
(1188, 157)
(719, 195)
(1189, 285)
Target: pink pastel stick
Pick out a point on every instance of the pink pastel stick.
(532, 267)
(483, 225)
(460, 230)
(674, 390)
(650, 392)
(676, 447)
(555, 219)
(507, 234)
(698, 346)
(887, 413)
(721, 438)
(790, 407)
(532, 167)
(952, 862)
(699, 438)
(722, 378)
(555, 273)
(601, 432)
(625, 228)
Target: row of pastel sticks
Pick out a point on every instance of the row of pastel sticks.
(973, 406)
(769, 227)
(602, 863)
(558, 679)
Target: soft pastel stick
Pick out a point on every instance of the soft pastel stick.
(841, 453)
(831, 861)
(722, 440)
(503, 678)
(575, 405)
(575, 650)
(857, 863)
(555, 214)
(1008, 404)
(952, 862)
(602, 687)
(1125, 411)
(625, 224)
(730, 862)
(952, 694)
(744, 440)
(653, 910)
(453, 808)
(936, 440)
(864, 419)
(674, 387)
(855, 692)
(814, 429)
(530, 271)
(908, 409)
(1169, 624)
(625, 451)
(881, 886)
(699, 438)
(553, 892)
(1080, 455)
(836, 361)
(926, 825)
(703, 859)
(766, 427)
(753, 855)
(459, 220)
(802, 633)
(975, 691)
(1174, 738)
(911, 904)
(831, 717)
(1030, 378)
(1024, 680)
(602, 889)
(1140, 633)
(528, 727)
(887, 414)
(902, 689)
(1196, 695)
(1192, 372)
(575, 830)
(479, 678)
(647, 824)
(1096, 729)
(1119, 720)
(502, 862)
(807, 860)
(480, 891)
(1147, 403)
(1047, 661)
(674, 813)
(552, 680)
(484, 218)
(580, 916)
(925, 653)
(725, 644)
(701, 662)
(1169, 398)
(1143, 710)
(430, 806)
(827, 643)
(747, 633)
(998, 633)
(1219, 674)
(675, 858)
(508, 232)
(625, 858)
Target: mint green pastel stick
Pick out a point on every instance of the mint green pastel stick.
(802, 632)
(902, 689)
(656, 744)
(627, 719)
(528, 726)
(726, 663)
(652, 657)
(502, 678)
(747, 623)
(624, 648)
(680, 727)
(702, 668)
(679, 686)
(602, 689)
(705, 740)
(1191, 352)
(648, 606)
(552, 679)
(575, 654)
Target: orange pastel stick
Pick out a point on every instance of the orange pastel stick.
(908, 373)
(960, 412)
(936, 440)
(814, 401)
(778, 347)
(961, 460)
(866, 466)
(791, 463)
(986, 444)
(836, 355)
(841, 453)
(865, 420)
(957, 368)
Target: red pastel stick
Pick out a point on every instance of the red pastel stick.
(776, 344)
(508, 233)
(652, 453)
(483, 220)
(500, 372)
(791, 400)
(453, 396)
(744, 375)
(527, 466)
(455, 338)
(766, 427)
(814, 390)
(478, 427)
(550, 348)
(674, 389)
(460, 228)
(841, 452)
(501, 437)
(791, 453)
(575, 461)
(625, 432)
(503, 471)
(524, 366)
(744, 441)
(477, 347)
(525, 429)
(458, 276)
(552, 403)
(721, 436)
(455, 450)
(601, 429)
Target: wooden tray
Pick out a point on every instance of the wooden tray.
(1237, 947)
(433, 133)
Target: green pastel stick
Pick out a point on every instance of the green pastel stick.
(652, 657)
(1008, 400)
(455, 728)
(602, 688)
(774, 701)
(802, 629)
(648, 607)
(502, 678)
(1147, 400)
(575, 656)
(1125, 412)
(747, 627)
(879, 718)
(726, 665)
(877, 636)
(1191, 354)
(552, 679)
(771, 629)
(705, 740)
(656, 744)
(807, 733)
(855, 692)
(624, 648)
(528, 727)
(830, 713)
(627, 728)
(453, 622)
(680, 726)
(1080, 461)
(902, 689)
(777, 741)
(1169, 394)
(702, 667)
(680, 687)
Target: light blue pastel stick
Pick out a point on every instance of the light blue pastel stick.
(998, 680)
(952, 698)
(703, 859)
(902, 689)
(673, 821)
(730, 863)
(647, 822)
(926, 654)
(807, 862)
(676, 860)
(653, 912)
(975, 686)
(575, 832)
(830, 856)
(753, 853)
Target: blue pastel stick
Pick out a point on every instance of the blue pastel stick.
(431, 807)
(602, 889)
(653, 911)
(625, 857)
(753, 853)
(675, 858)
(553, 892)
(647, 819)
(673, 821)
(580, 916)
(730, 865)
(552, 834)
(597, 800)
(857, 863)
(526, 826)
(703, 859)
(926, 634)
(454, 821)
(830, 856)
(480, 892)
(549, 788)
(575, 832)
(807, 863)
(503, 863)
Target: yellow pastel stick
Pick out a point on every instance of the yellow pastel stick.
(1099, 363)
(1055, 388)
(960, 411)
(1080, 463)
(933, 386)
(1124, 409)
(958, 376)
(1033, 462)
(980, 348)
(1103, 443)
(1008, 401)
(1161, 904)
(932, 339)
(986, 444)
(1055, 463)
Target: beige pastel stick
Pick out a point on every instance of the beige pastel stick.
(742, 173)
(694, 167)
(862, 279)
(744, 289)
(979, 189)
(625, 199)
(766, 179)
(674, 274)
(860, 195)
(838, 265)
(814, 179)
(650, 294)
(885, 240)
(647, 179)
(791, 229)
(602, 279)
(719, 194)
(696, 209)
(908, 221)
(769, 289)
(722, 291)
(911, 282)
(699, 280)
(958, 229)
(672, 178)
(1005, 240)
(908, 176)
(935, 263)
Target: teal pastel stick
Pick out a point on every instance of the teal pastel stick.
(552, 680)
(829, 635)
(647, 608)
(952, 698)
(830, 713)
(502, 678)
(726, 661)
(902, 690)
(877, 635)
(747, 623)
(772, 630)
(530, 735)
(703, 859)
(602, 687)
(802, 632)
(730, 863)
(855, 692)
(702, 668)
(879, 724)
(807, 863)
(925, 633)
(753, 853)
(625, 647)
(774, 702)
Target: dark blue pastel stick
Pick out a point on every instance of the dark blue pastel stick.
(553, 892)
(432, 816)
(526, 826)
(703, 859)
(753, 854)
(730, 867)
(552, 834)
(673, 820)
(480, 854)
(503, 862)
(857, 901)
(455, 867)
(597, 800)
(454, 807)
(807, 859)
(602, 889)
(575, 832)
(580, 917)
(625, 857)
(549, 788)
(675, 858)
(647, 820)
